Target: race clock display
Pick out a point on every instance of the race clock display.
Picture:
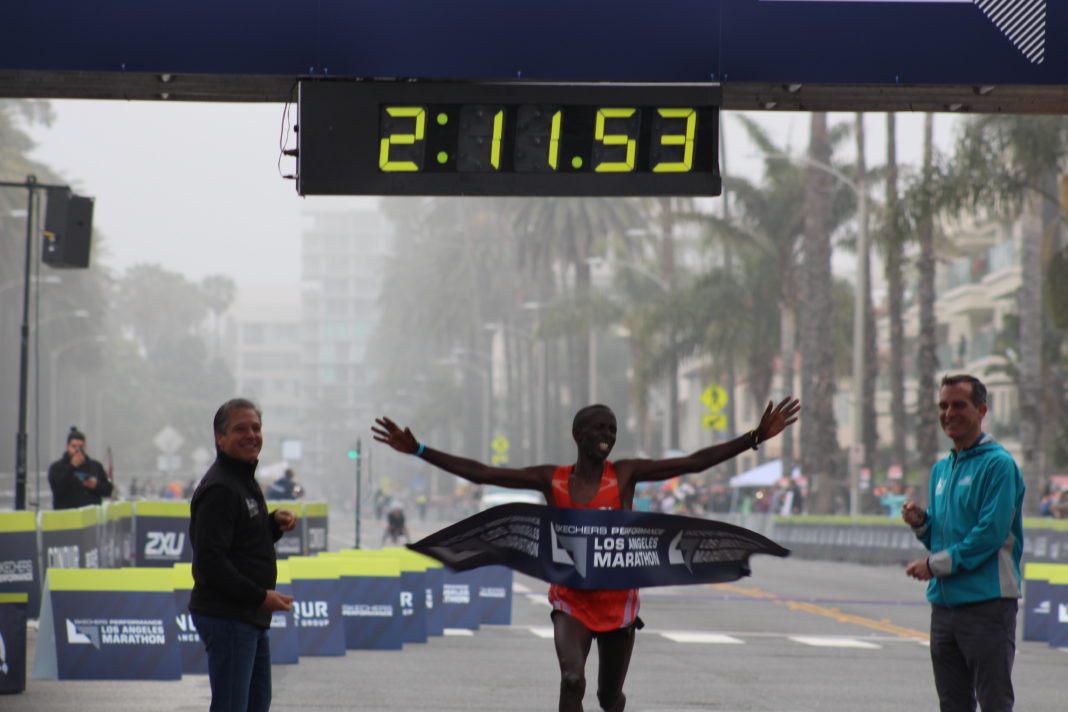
(508, 138)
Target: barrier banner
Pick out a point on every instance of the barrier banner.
(1037, 602)
(495, 595)
(116, 544)
(370, 598)
(317, 605)
(599, 549)
(315, 527)
(1057, 627)
(435, 614)
(113, 624)
(13, 642)
(292, 542)
(460, 603)
(285, 640)
(69, 538)
(161, 533)
(19, 568)
(194, 657)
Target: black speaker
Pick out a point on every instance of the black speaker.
(68, 229)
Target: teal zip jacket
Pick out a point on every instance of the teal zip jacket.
(974, 527)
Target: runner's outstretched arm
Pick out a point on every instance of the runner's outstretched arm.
(536, 478)
(773, 422)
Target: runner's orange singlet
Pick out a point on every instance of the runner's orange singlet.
(599, 610)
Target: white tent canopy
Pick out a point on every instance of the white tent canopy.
(763, 475)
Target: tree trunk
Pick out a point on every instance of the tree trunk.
(927, 352)
(1030, 366)
(895, 289)
(819, 440)
(667, 267)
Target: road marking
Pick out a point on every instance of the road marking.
(682, 636)
(883, 626)
(459, 632)
(824, 641)
(541, 631)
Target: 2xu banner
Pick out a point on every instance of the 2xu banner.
(603, 549)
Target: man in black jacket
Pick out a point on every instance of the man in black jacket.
(234, 568)
(75, 479)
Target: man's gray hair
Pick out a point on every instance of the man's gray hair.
(222, 415)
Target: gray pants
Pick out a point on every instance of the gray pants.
(972, 650)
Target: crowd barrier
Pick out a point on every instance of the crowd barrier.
(146, 533)
(133, 623)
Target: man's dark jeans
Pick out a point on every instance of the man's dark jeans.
(239, 664)
(972, 649)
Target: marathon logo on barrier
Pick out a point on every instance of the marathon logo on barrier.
(64, 557)
(187, 631)
(599, 549)
(367, 610)
(456, 593)
(98, 632)
(492, 592)
(279, 620)
(167, 546)
(311, 614)
(13, 570)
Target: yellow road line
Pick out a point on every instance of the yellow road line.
(883, 626)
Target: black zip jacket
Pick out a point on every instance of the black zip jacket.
(233, 544)
(66, 481)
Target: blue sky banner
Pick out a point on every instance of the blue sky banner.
(605, 549)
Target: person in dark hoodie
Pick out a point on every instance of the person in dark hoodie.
(76, 479)
(234, 567)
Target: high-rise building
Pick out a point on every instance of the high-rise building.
(342, 252)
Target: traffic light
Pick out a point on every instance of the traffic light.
(354, 452)
(68, 229)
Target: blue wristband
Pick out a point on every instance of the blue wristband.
(419, 451)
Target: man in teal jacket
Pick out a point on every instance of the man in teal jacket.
(974, 531)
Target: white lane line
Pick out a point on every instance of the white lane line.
(519, 588)
(541, 631)
(832, 642)
(459, 632)
(539, 598)
(681, 636)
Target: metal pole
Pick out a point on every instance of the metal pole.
(359, 456)
(24, 356)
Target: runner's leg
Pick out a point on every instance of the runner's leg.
(613, 653)
(573, 641)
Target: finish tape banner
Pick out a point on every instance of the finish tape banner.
(599, 549)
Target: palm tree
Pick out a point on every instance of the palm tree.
(927, 352)
(1003, 163)
(819, 441)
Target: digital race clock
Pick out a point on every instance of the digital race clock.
(509, 138)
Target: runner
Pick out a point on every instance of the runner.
(579, 616)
